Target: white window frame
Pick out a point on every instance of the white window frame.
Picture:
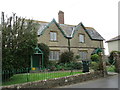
(83, 55)
(54, 55)
(81, 38)
(53, 36)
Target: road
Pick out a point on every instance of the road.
(109, 82)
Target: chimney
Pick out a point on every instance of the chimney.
(61, 17)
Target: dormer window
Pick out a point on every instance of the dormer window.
(81, 38)
(53, 36)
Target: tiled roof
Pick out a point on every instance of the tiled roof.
(93, 33)
(69, 30)
(42, 26)
(114, 39)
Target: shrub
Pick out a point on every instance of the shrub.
(75, 65)
(95, 57)
(77, 57)
(69, 66)
(45, 50)
(60, 67)
(66, 57)
(111, 57)
(111, 68)
(94, 66)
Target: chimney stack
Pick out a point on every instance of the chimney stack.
(61, 17)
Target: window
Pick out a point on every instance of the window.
(53, 36)
(81, 38)
(83, 55)
(54, 55)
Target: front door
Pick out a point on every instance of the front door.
(36, 60)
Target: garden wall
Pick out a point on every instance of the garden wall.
(57, 81)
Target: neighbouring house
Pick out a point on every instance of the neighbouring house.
(59, 36)
(113, 44)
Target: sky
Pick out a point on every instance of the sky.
(102, 15)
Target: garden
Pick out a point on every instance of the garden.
(66, 66)
(52, 70)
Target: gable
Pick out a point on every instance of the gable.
(44, 26)
(93, 34)
(80, 30)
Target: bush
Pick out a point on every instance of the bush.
(95, 57)
(66, 57)
(94, 66)
(75, 65)
(45, 50)
(77, 57)
(111, 57)
(111, 68)
(67, 66)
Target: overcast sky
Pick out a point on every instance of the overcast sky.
(99, 14)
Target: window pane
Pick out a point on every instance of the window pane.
(51, 55)
(81, 38)
(54, 55)
(83, 55)
(53, 36)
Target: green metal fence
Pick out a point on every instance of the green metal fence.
(24, 75)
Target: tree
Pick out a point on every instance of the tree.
(19, 38)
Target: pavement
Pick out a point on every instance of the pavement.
(110, 81)
(112, 73)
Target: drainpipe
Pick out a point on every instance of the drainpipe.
(69, 44)
(100, 44)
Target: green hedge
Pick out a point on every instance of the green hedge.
(66, 66)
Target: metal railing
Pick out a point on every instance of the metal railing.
(25, 75)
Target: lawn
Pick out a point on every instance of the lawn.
(30, 77)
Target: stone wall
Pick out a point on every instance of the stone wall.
(51, 83)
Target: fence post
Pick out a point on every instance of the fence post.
(27, 74)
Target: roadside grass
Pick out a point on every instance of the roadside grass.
(111, 68)
(30, 77)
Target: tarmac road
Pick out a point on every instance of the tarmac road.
(108, 82)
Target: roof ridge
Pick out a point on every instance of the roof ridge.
(68, 25)
(114, 38)
(89, 28)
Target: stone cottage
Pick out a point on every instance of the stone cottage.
(59, 36)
